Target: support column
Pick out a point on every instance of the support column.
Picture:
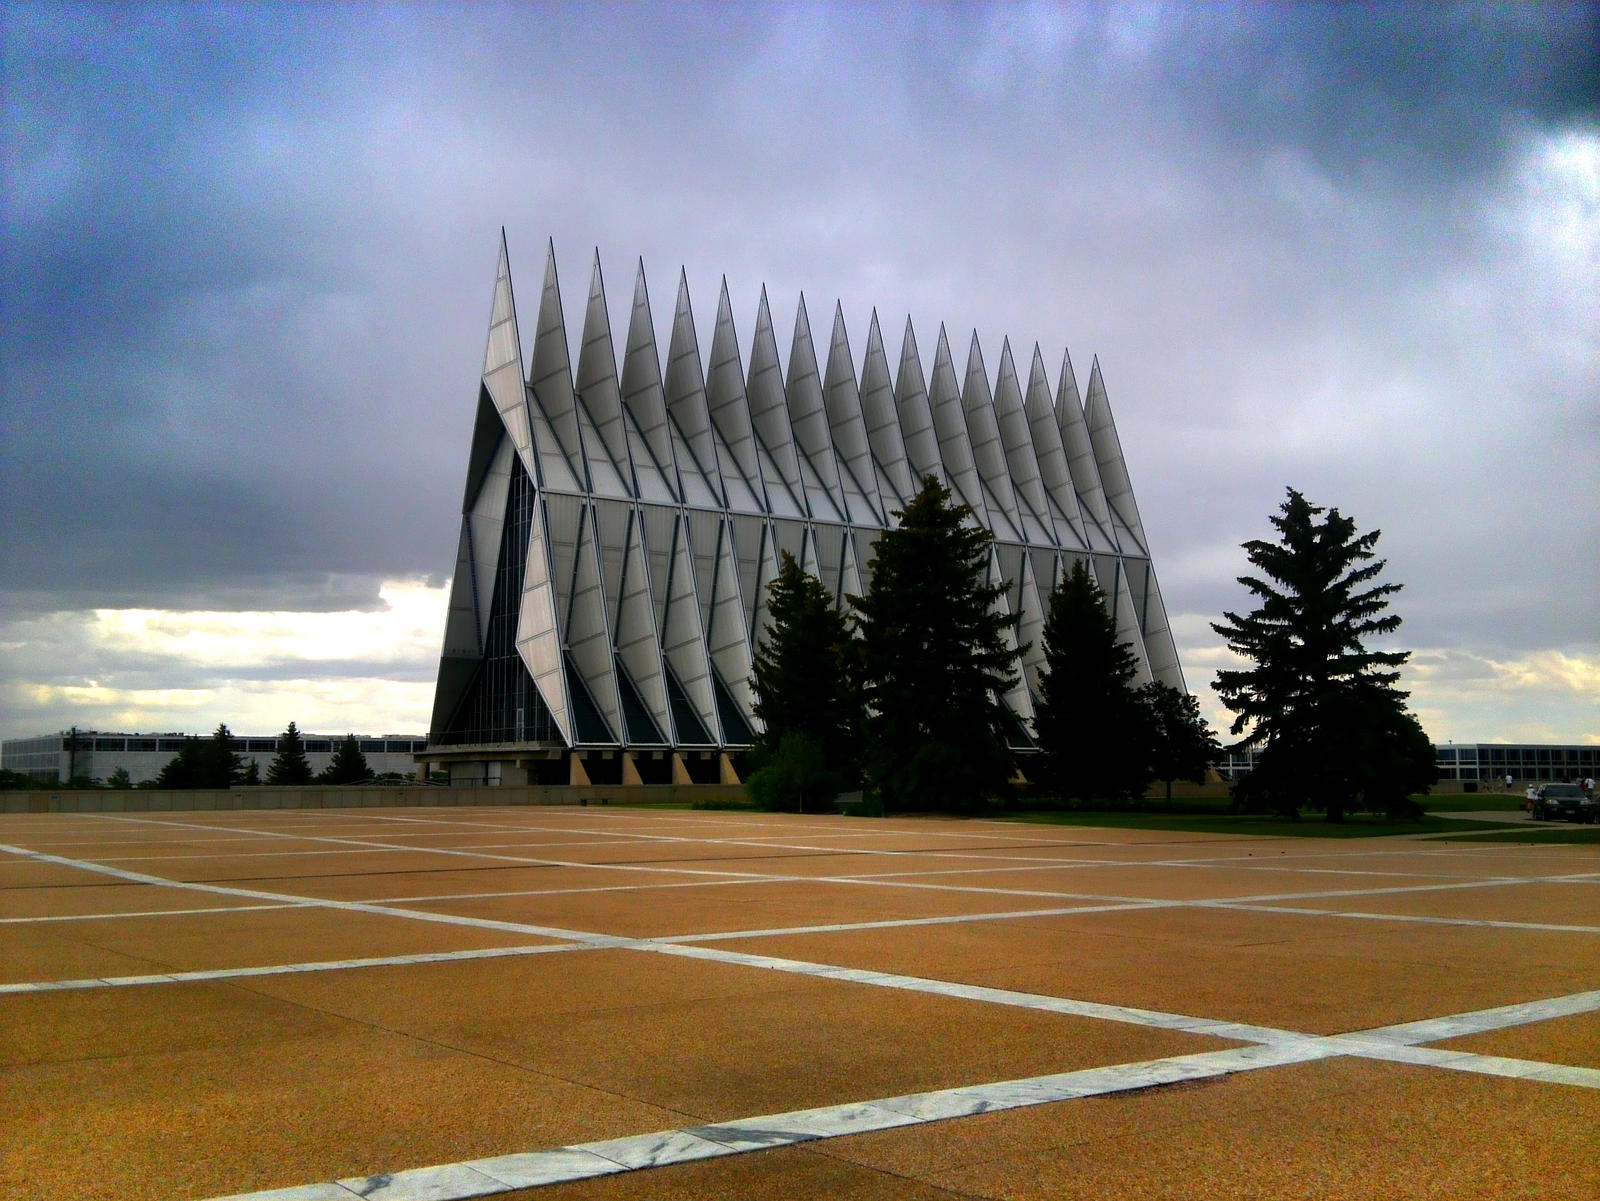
(680, 770)
(630, 770)
(729, 775)
(577, 776)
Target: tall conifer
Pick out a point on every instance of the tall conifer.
(935, 661)
(1324, 709)
(805, 671)
(349, 765)
(290, 765)
(1088, 723)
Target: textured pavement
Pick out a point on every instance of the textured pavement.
(628, 1003)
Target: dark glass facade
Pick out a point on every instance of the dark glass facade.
(502, 704)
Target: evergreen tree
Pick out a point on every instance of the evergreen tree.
(349, 765)
(1182, 745)
(119, 779)
(222, 767)
(805, 670)
(1090, 727)
(935, 661)
(186, 769)
(289, 765)
(1324, 709)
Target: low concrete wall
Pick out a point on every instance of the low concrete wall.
(144, 800)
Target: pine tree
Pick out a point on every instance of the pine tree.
(804, 676)
(806, 696)
(289, 765)
(935, 662)
(221, 767)
(1182, 745)
(1324, 709)
(186, 769)
(349, 765)
(1089, 725)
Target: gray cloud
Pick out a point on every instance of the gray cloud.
(249, 254)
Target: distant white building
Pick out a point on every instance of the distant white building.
(97, 754)
(1485, 762)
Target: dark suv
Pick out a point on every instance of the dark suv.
(1563, 801)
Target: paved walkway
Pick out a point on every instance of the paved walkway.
(308, 1006)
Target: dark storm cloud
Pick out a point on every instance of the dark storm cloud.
(248, 254)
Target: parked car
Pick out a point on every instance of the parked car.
(1565, 802)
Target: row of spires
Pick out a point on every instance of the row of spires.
(1008, 452)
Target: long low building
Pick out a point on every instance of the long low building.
(97, 754)
(1486, 763)
(620, 528)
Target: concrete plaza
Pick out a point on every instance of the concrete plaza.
(601, 1002)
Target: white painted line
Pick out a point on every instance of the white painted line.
(873, 881)
(1414, 918)
(94, 917)
(484, 1177)
(1483, 1020)
(286, 969)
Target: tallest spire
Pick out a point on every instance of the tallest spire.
(502, 359)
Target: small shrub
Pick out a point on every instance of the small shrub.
(796, 778)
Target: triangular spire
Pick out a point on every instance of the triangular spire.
(883, 422)
(725, 398)
(686, 399)
(502, 361)
(808, 417)
(916, 414)
(842, 399)
(1018, 442)
(649, 442)
(1081, 459)
(1108, 457)
(550, 378)
(1052, 459)
(950, 423)
(597, 377)
(769, 415)
(988, 453)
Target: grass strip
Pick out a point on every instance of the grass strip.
(1353, 826)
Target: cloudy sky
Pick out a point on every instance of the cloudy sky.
(248, 255)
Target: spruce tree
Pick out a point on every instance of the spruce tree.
(290, 765)
(1182, 745)
(349, 765)
(806, 696)
(935, 662)
(221, 766)
(805, 669)
(186, 769)
(1091, 729)
(1324, 709)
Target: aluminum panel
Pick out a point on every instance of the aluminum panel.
(597, 385)
(1109, 461)
(950, 424)
(643, 401)
(686, 402)
(725, 400)
(983, 432)
(842, 400)
(883, 425)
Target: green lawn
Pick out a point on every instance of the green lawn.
(1353, 826)
(1556, 832)
(1472, 803)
